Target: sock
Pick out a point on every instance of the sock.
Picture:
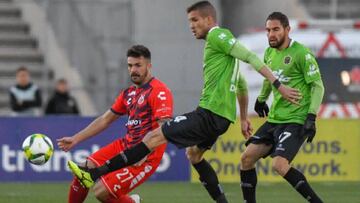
(210, 181)
(126, 158)
(299, 182)
(122, 199)
(248, 185)
(77, 193)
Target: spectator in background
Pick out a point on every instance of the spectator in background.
(62, 102)
(25, 97)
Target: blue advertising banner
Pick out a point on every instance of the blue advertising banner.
(14, 167)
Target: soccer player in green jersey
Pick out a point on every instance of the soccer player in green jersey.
(198, 130)
(288, 125)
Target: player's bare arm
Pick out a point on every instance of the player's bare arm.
(246, 128)
(243, 100)
(95, 127)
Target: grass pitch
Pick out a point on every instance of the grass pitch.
(183, 192)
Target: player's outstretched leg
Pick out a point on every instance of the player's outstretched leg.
(81, 174)
(207, 174)
(77, 192)
(129, 156)
(295, 178)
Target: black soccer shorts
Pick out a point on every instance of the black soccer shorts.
(286, 139)
(200, 127)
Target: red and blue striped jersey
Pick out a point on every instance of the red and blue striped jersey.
(144, 105)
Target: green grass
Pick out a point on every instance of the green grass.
(182, 192)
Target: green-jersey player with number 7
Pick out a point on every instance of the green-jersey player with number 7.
(288, 125)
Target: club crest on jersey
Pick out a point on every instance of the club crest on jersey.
(141, 99)
(287, 60)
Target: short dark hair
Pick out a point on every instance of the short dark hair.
(62, 80)
(204, 7)
(22, 68)
(280, 17)
(139, 51)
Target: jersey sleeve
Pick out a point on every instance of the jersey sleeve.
(161, 102)
(222, 40)
(309, 67)
(118, 106)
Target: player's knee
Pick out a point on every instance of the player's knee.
(193, 156)
(100, 192)
(247, 161)
(280, 165)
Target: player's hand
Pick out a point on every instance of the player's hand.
(261, 108)
(246, 128)
(309, 129)
(66, 143)
(290, 94)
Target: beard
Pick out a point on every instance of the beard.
(138, 79)
(277, 43)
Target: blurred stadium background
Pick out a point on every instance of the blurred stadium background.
(85, 41)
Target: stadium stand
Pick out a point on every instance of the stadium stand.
(325, 9)
(17, 47)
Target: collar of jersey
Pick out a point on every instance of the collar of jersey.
(145, 85)
(290, 45)
(213, 28)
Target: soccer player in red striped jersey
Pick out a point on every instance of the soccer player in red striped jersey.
(148, 103)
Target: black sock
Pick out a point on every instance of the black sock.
(210, 181)
(248, 185)
(126, 158)
(299, 182)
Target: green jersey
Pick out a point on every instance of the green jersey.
(221, 74)
(295, 67)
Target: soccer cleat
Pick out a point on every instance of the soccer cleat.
(136, 198)
(81, 174)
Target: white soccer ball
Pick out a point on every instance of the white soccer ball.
(38, 149)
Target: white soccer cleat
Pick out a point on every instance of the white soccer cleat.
(136, 198)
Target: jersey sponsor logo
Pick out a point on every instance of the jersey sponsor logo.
(141, 99)
(287, 60)
(312, 70)
(133, 122)
(222, 36)
(279, 74)
(161, 96)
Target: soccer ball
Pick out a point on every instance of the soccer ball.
(38, 149)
